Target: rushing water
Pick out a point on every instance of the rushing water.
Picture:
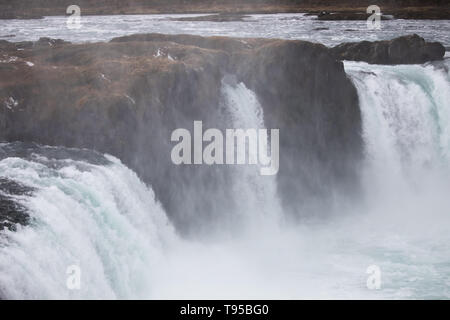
(255, 193)
(93, 214)
(284, 26)
(89, 210)
(406, 130)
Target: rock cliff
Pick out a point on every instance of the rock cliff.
(126, 97)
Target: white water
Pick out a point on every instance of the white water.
(102, 218)
(255, 193)
(406, 130)
(283, 26)
(406, 117)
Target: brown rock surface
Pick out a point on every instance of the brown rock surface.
(403, 50)
(126, 97)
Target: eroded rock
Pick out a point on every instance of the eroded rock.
(127, 96)
(403, 50)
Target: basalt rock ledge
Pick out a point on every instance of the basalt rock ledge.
(127, 96)
(410, 49)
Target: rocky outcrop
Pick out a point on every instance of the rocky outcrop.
(6, 14)
(222, 17)
(306, 93)
(126, 97)
(336, 16)
(403, 50)
(389, 13)
(12, 213)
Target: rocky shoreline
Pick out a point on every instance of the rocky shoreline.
(403, 50)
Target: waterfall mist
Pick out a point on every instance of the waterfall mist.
(100, 216)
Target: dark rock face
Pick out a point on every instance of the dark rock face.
(306, 93)
(19, 15)
(12, 213)
(222, 17)
(403, 50)
(350, 16)
(126, 97)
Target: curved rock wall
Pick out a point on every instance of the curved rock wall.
(126, 97)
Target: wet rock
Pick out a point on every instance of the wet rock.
(337, 16)
(19, 15)
(222, 17)
(426, 13)
(305, 92)
(11, 212)
(403, 50)
(127, 96)
(48, 42)
(321, 29)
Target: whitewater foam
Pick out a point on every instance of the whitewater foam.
(101, 218)
(94, 212)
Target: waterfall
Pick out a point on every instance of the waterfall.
(97, 216)
(89, 210)
(256, 195)
(406, 130)
(406, 121)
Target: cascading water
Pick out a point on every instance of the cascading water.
(406, 116)
(89, 210)
(255, 194)
(98, 216)
(406, 127)
(406, 130)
